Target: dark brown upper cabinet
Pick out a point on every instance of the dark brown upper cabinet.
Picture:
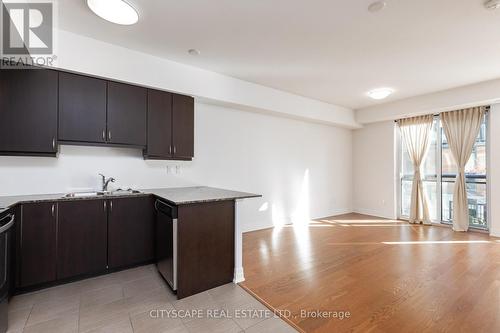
(37, 244)
(127, 107)
(82, 108)
(81, 238)
(28, 112)
(159, 125)
(41, 107)
(170, 126)
(183, 127)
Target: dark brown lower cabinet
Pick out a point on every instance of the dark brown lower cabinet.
(131, 224)
(205, 246)
(70, 239)
(81, 238)
(37, 244)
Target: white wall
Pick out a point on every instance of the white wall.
(301, 168)
(374, 176)
(494, 170)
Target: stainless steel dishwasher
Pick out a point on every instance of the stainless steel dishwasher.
(6, 223)
(166, 242)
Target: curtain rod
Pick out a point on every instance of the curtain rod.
(487, 109)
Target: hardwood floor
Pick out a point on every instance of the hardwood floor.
(391, 276)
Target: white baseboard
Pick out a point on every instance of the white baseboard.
(495, 232)
(288, 220)
(334, 212)
(374, 212)
(239, 275)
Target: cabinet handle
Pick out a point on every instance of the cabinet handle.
(53, 209)
(111, 205)
(7, 225)
(53, 143)
(104, 135)
(175, 150)
(170, 150)
(109, 135)
(104, 205)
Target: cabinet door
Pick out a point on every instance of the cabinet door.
(126, 114)
(131, 231)
(82, 232)
(183, 126)
(28, 111)
(205, 246)
(159, 124)
(82, 108)
(37, 244)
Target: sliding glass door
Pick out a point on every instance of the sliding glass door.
(438, 174)
(475, 175)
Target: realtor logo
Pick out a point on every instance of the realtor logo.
(27, 33)
(27, 28)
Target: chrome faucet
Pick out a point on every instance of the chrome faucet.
(105, 182)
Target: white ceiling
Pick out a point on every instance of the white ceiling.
(330, 50)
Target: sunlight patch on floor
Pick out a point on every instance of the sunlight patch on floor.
(352, 221)
(438, 242)
(376, 225)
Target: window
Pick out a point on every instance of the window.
(438, 176)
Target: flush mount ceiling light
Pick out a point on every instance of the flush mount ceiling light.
(376, 6)
(492, 4)
(380, 93)
(115, 11)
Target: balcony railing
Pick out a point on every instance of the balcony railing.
(476, 192)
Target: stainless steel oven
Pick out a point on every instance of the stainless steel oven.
(166, 242)
(6, 223)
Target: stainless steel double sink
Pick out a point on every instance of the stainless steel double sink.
(101, 193)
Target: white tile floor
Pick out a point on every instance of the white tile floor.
(122, 302)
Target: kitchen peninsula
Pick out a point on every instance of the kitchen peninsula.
(192, 233)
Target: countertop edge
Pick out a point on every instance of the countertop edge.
(190, 202)
(147, 192)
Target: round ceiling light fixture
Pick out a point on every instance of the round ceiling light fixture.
(376, 6)
(115, 11)
(194, 52)
(380, 93)
(492, 4)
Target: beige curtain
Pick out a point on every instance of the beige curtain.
(416, 136)
(461, 129)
